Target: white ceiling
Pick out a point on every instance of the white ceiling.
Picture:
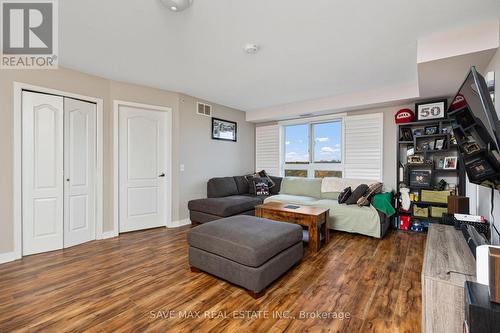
(309, 49)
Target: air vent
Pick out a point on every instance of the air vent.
(204, 109)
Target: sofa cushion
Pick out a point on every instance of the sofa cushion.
(352, 218)
(248, 240)
(292, 199)
(221, 187)
(344, 195)
(227, 206)
(330, 195)
(309, 187)
(242, 184)
(335, 184)
(277, 182)
(356, 194)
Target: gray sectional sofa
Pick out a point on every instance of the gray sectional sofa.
(227, 196)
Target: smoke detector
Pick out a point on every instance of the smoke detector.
(177, 5)
(251, 48)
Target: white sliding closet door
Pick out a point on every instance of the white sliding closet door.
(42, 172)
(79, 171)
(143, 151)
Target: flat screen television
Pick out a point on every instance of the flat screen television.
(476, 129)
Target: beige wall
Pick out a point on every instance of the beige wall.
(186, 126)
(203, 157)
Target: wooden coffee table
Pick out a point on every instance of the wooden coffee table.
(314, 218)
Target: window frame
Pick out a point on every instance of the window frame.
(312, 166)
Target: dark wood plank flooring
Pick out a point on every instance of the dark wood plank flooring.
(130, 283)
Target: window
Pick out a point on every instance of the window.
(313, 149)
(297, 144)
(327, 173)
(295, 173)
(327, 142)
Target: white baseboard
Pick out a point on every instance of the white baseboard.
(8, 257)
(180, 223)
(108, 234)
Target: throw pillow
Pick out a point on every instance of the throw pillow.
(370, 192)
(263, 174)
(363, 201)
(277, 185)
(356, 194)
(260, 186)
(249, 178)
(344, 195)
(375, 188)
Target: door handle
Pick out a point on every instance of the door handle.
(162, 175)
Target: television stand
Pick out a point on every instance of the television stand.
(448, 263)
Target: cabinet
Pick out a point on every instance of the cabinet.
(448, 263)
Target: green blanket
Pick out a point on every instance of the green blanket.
(383, 203)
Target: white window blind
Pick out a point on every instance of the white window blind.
(364, 146)
(267, 149)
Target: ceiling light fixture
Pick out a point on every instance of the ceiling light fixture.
(177, 5)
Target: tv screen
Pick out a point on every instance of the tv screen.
(476, 129)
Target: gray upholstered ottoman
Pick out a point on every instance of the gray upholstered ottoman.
(245, 250)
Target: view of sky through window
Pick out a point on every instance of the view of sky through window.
(327, 143)
(297, 143)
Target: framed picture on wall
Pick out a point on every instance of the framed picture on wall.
(431, 110)
(420, 178)
(224, 130)
(450, 163)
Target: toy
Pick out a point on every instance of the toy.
(405, 198)
(405, 221)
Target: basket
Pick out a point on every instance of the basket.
(438, 211)
(420, 211)
(435, 196)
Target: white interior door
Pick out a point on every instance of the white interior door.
(42, 172)
(143, 151)
(79, 171)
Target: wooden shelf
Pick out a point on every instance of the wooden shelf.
(453, 176)
(431, 203)
(431, 136)
(419, 165)
(425, 122)
(445, 170)
(433, 151)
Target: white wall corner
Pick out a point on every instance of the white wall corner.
(8, 257)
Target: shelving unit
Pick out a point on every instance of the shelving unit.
(431, 158)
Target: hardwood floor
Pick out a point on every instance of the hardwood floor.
(130, 283)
